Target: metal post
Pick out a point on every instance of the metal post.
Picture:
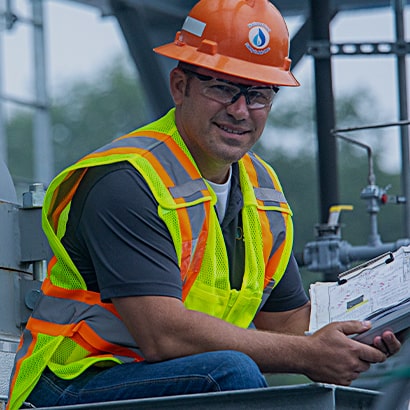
(43, 149)
(325, 116)
(3, 135)
(403, 111)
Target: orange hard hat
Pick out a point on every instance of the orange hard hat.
(247, 39)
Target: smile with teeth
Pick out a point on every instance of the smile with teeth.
(232, 131)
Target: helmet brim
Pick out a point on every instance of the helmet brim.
(229, 65)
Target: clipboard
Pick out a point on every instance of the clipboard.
(376, 290)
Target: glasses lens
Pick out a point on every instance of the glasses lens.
(256, 97)
(260, 97)
(221, 92)
(226, 93)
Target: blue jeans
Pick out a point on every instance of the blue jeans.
(201, 373)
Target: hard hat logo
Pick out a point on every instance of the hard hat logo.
(258, 38)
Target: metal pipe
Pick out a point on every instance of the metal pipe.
(43, 149)
(3, 134)
(403, 112)
(325, 115)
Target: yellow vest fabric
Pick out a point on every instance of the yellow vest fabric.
(186, 204)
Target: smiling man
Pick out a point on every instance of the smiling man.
(173, 270)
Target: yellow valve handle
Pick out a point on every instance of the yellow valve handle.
(334, 213)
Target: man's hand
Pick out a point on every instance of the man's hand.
(336, 358)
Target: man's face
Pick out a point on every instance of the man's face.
(216, 134)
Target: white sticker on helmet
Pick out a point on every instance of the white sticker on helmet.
(258, 38)
(194, 26)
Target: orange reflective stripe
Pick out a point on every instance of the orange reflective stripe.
(53, 329)
(64, 200)
(20, 360)
(196, 262)
(253, 177)
(114, 151)
(159, 167)
(274, 261)
(80, 295)
(52, 262)
(265, 223)
(146, 133)
(84, 335)
(267, 235)
(186, 235)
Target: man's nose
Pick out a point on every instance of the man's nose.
(238, 107)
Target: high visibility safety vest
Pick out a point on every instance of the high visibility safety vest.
(71, 329)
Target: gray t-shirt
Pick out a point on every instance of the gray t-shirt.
(122, 248)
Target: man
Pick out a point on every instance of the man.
(173, 272)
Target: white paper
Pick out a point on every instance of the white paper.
(369, 287)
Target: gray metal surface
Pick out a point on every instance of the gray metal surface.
(8, 347)
(307, 397)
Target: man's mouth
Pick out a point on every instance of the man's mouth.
(231, 130)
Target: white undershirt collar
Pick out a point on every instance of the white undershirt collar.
(222, 194)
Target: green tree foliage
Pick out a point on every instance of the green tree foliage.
(85, 116)
(20, 146)
(92, 114)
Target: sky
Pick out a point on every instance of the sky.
(80, 42)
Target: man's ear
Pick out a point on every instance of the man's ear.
(178, 81)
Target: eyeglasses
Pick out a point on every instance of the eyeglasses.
(226, 92)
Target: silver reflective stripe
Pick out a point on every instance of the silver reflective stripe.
(147, 143)
(194, 26)
(68, 311)
(188, 188)
(269, 194)
(27, 339)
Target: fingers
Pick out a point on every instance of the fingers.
(353, 326)
(379, 344)
(387, 343)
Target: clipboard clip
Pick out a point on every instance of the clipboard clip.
(390, 258)
(387, 258)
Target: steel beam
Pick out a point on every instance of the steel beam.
(135, 25)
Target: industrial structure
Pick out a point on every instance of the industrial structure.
(144, 24)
